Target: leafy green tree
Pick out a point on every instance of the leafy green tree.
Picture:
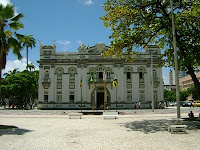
(28, 42)
(143, 22)
(193, 91)
(15, 71)
(169, 96)
(183, 95)
(9, 38)
(30, 67)
(21, 88)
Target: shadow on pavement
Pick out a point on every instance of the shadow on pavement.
(13, 131)
(147, 126)
(153, 126)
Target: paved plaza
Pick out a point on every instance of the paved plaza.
(135, 129)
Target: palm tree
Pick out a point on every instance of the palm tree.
(14, 72)
(28, 41)
(9, 39)
(30, 67)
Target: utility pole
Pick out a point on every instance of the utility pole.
(152, 96)
(176, 64)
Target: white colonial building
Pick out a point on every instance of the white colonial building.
(60, 74)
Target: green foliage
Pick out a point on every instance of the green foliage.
(169, 96)
(28, 42)
(9, 24)
(9, 38)
(184, 95)
(194, 92)
(139, 23)
(136, 22)
(20, 87)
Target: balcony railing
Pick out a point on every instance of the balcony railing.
(46, 81)
(100, 80)
(156, 80)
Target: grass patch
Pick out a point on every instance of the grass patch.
(7, 127)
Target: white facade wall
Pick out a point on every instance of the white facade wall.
(82, 62)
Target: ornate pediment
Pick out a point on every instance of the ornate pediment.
(47, 47)
(98, 48)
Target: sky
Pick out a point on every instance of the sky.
(67, 22)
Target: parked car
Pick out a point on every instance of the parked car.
(185, 104)
(172, 103)
(196, 104)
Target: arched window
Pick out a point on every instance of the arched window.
(154, 74)
(46, 73)
(72, 71)
(128, 71)
(59, 72)
(141, 71)
(100, 70)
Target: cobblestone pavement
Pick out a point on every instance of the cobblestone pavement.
(196, 110)
(135, 129)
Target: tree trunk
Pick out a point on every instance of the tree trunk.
(0, 81)
(188, 65)
(195, 80)
(27, 57)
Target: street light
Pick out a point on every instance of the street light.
(152, 96)
(176, 64)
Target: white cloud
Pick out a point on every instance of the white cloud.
(89, 2)
(21, 64)
(66, 44)
(5, 2)
(79, 42)
(62, 42)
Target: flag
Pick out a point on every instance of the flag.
(104, 76)
(115, 82)
(81, 83)
(91, 78)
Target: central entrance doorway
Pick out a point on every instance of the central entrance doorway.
(100, 100)
(97, 98)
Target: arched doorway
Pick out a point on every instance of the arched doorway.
(97, 97)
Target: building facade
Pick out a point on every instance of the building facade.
(187, 81)
(61, 73)
(181, 74)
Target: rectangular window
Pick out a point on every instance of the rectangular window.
(141, 86)
(129, 96)
(71, 98)
(46, 86)
(46, 74)
(46, 97)
(108, 74)
(72, 80)
(59, 75)
(142, 96)
(128, 75)
(154, 74)
(59, 96)
(59, 83)
(100, 75)
(72, 75)
(141, 75)
(155, 95)
(72, 86)
(128, 86)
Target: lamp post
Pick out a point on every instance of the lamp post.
(152, 96)
(176, 64)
